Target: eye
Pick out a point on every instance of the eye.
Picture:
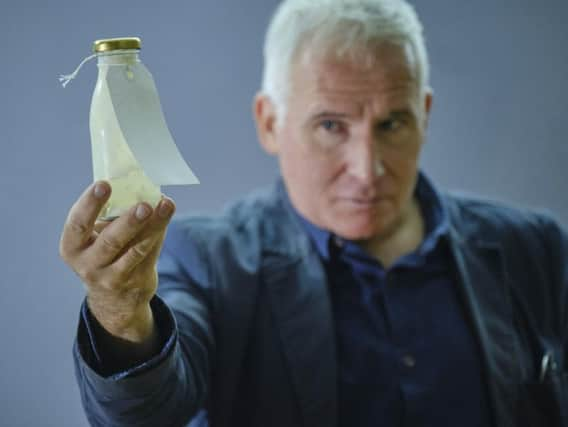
(390, 125)
(332, 126)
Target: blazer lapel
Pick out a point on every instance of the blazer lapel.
(301, 305)
(485, 292)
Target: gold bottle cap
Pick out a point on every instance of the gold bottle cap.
(106, 45)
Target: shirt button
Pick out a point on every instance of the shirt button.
(409, 361)
(338, 241)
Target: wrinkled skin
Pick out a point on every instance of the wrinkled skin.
(349, 145)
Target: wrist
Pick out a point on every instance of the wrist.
(131, 324)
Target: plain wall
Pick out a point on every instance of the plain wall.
(499, 126)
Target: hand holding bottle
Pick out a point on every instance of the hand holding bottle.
(116, 260)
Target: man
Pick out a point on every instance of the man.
(353, 293)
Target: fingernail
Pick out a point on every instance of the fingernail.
(165, 209)
(142, 212)
(100, 191)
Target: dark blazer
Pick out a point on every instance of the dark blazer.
(254, 342)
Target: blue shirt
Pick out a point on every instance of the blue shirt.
(406, 354)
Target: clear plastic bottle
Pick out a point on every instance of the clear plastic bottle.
(113, 159)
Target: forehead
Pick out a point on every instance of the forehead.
(385, 73)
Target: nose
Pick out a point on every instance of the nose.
(365, 162)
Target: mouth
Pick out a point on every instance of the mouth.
(367, 202)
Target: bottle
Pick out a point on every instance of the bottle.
(131, 144)
(112, 157)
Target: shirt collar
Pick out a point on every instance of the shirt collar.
(433, 211)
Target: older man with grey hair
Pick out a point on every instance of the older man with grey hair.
(352, 293)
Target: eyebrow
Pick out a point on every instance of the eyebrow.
(397, 114)
(326, 114)
(401, 114)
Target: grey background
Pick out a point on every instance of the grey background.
(498, 128)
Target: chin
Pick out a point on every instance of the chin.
(357, 231)
(354, 228)
(355, 221)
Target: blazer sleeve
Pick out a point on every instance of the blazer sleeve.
(557, 244)
(171, 387)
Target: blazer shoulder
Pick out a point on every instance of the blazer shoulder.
(479, 216)
(236, 233)
(242, 215)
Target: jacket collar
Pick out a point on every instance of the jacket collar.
(484, 287)
(301, 305)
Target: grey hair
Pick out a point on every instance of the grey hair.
(345, 28)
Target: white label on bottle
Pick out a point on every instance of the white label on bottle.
(137, 107)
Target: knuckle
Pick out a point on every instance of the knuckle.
(76, 226)
(110, 243)
(141, 250)
(137, 252)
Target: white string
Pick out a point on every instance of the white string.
(66, 78)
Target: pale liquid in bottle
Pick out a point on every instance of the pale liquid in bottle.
(112, 158)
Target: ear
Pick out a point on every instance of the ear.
(264, 112)
(428, 100)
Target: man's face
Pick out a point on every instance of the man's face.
(349, 144)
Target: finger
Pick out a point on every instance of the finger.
(166, 209)
(142, 251)
(81, 218)
(147, 244)
(101, 225)
(114, 237)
